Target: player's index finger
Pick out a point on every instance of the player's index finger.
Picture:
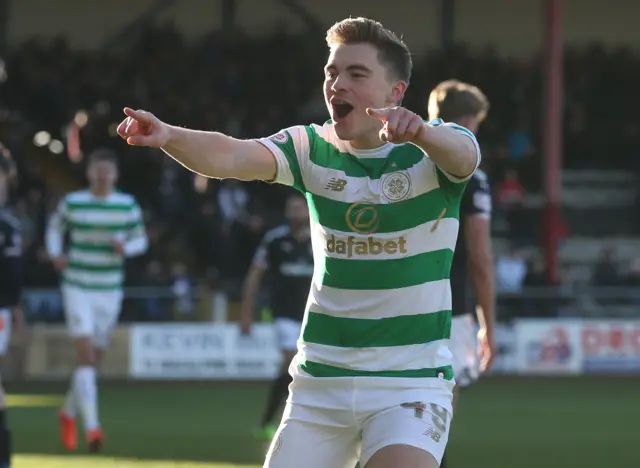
(380, 114)
(136, 114)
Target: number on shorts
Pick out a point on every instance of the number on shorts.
(439, 417)
(417, 407)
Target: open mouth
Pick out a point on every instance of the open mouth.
(341, 109)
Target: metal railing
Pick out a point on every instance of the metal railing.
(152, 304)
(141, 304)
(580, 300)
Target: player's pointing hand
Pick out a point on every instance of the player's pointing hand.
(400, 125)
(142, 128)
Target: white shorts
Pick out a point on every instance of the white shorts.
(288, 332)
(351, 421)
(91, 313)
(5, 330)
(464, 346)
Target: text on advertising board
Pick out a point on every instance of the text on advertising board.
(611, 346)
(611, 338)
(202, 351)
(171, 341)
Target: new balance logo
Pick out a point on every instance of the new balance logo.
(336, 185)
(435, 435)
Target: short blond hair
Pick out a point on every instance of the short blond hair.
(392, 51)
(453, 99)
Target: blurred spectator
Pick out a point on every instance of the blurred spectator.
(209, 239)
(510, 191)
(606, 271)
(510, 207)
(154, 307)
(170, 189)
(536, 273)
(28, 223)
(511, 270)
(633, 278)
(519, 141)
(183, 291)
(633, 281)
(547, 302)
(233, 199)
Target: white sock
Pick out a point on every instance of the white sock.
(86, 391)
(70, 403)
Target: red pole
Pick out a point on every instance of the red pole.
(552, 131)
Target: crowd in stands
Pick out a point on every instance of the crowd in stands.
(206, 231)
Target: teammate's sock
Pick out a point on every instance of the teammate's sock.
(277, 394)
(443, 463)
(70, 404)
(5, 441)
(86, 391)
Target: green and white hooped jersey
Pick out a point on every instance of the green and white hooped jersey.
(93, 225)
(384, 224)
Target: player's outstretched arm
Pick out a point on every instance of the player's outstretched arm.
(210, 154)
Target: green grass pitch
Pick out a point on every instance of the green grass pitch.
(502, 423)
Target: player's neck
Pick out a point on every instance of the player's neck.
(367, 142)
(99, 192)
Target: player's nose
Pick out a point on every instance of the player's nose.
(339, 84)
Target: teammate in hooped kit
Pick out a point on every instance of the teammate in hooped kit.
(372, 378)
(466, 105)
(11, 279)
(105, 227)
(286, 256)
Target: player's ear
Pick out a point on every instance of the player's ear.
(397, 91)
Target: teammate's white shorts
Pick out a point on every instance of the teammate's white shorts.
(91, 313)
(464, 346)
(287, 332)
(5, 330)
(346, 420)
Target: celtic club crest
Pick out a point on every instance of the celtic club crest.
(396, 186)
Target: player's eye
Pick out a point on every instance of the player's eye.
(357, 75)
(330, 75)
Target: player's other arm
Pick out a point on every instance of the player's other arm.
(480, 258)
(11, 265)
(251, 286)
(137, 241)
(210, 154)
(54, 236)
(452, 148)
